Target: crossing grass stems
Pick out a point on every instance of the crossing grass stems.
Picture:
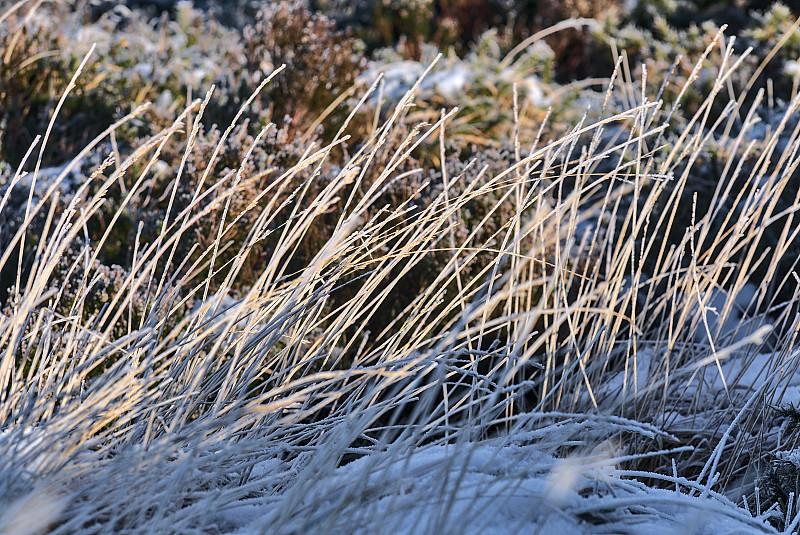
(160, 428)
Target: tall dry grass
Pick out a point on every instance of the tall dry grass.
(167, 427)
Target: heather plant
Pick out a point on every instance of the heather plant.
(164, 61)
(136, 61)
(289, 33)
(412, 25)
(32, 67)
(458, 25)
(221, 177)
(498, 95)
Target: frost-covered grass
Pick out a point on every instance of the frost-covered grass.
(609, 365)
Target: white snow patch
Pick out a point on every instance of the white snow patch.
(534, 93)
(725, 314)
(398, 78)
(487, 488)
(626, 383)
(791, 67)
(449, 83)
(48, 176)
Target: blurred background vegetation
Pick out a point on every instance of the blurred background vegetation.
(168, 53)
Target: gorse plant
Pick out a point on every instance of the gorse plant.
(206, 326)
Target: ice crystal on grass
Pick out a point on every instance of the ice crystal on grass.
(380, 316)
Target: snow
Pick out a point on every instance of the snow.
(17, 520)
(534, 93)
(791, 68)
(727, 322)
(490, 487)
(397, 78)
(750, 373)
(628, 382)
(450, 81)
(47, 176)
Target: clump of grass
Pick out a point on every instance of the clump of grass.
(560, 301)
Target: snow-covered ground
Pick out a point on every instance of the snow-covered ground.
(520, 482)
(493, 488)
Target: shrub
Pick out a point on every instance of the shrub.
(308, 43)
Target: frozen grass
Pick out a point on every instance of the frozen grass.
(585, 339)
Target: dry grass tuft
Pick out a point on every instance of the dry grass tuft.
(587, 291)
